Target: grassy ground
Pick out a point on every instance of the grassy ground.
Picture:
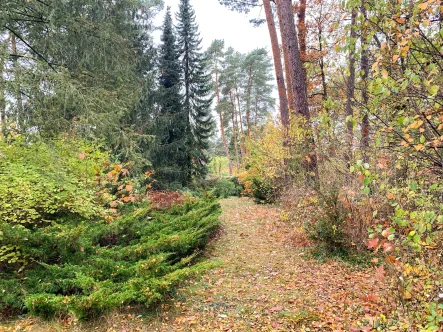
(262, 284)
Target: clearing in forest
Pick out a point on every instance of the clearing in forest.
(262, 284)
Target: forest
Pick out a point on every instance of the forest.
(151, 183)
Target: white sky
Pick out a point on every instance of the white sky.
(218, 22)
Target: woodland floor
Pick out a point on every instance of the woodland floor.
(261, 284)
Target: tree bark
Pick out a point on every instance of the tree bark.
(284, 109)
(291, 47)
(322, 66)
(350, 88)
(291, 98)
(248, 102)
(301, 29)
(2, 97)
(242, 146)
(234, 129)
(298, 78)
(365, 127)
(222, 128)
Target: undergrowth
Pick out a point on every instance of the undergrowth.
(88, 268)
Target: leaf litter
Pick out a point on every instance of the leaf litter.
(261, 284)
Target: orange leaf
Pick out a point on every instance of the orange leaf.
(373, 243)
(423, 5)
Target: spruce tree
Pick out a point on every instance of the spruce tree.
(197, 89)
(169, 154)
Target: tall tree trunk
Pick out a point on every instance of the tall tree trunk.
(237, 96)
(286, 58)
(234, 130)
(365, 127)
(248, 102)
(284, 109)
(322, 65)
(298, 78)
(291, 47)
(222, 127)
(301, 30)
(2, 95)
(256, 111)
(291, 97)
(242, 145)
(350, 87)
(18, 95)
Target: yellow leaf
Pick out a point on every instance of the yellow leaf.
(384, 73)
(419, 147)
(395, 57)
(403, 42)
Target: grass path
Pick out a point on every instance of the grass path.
(262, 284)
(265, 285)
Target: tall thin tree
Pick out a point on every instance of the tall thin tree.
(198, 94)
(169, 154)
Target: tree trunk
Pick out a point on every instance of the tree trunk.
(256, 111)
(242, 146)
(234, 130)
(301, 29)
(284, 110)
(322, 67)
(222, 128)
(18, 95)
(290, 45)
(248, 102)
(2, 97)
(291, 98)
(365, 97)
(350, 88)
(298, 78)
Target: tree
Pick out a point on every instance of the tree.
(197, 89)
(365, 77)
(284, 107)
(72, 67)
(169, 154)
(350, 84)
(297, 78)
(245, 6)
(257, 68)
(215, 54)
(291, 46)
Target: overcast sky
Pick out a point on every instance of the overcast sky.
(218, 22)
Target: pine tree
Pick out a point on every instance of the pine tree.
(197, 89)
(170, 155)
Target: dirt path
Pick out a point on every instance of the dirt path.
(262, 284)
(265, 285)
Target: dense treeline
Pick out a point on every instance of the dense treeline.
(355, 156)
(361, 83)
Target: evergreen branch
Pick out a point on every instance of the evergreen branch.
(32, 48)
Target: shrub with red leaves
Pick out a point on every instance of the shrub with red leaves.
(161, 200)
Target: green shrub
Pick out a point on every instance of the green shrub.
(328, 230)
(225, 188)
(64, 250)
(90, 267)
